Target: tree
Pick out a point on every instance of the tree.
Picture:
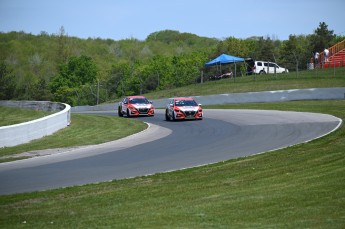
(159, 73)
(119, 73)
(7, 83)
(233, 46)
(321, 38)
(294, 52)
(72, 77)
(265, 49)
(63, 49)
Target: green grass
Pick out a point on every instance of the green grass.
(84, 130)
(321, 78)
(11, 115)
(298, 187)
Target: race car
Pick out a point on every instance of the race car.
(135, 106)
(183, 108)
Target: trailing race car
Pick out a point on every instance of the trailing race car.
(135, 106)
(183, 108)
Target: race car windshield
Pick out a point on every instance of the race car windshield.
(181, 103)
(139, 101)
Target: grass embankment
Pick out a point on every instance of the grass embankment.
(322, 78)
(298, 187)
(11, 115)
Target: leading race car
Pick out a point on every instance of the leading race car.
(183, 108)
(135, 106)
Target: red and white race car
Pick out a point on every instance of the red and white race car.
(183, 108)
(135, 106)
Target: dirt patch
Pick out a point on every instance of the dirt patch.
(38, 153)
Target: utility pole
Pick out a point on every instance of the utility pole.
(97, 91)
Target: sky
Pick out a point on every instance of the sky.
(124, 19)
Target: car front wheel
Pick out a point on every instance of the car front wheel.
(119, 111)
(173, 116)
(167, 118)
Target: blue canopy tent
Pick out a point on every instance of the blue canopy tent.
(225, 59)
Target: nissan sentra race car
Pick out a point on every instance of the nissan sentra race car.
(135, 106)
(183, 108)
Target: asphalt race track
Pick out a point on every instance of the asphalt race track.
(167, 146)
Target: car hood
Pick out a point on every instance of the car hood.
(141, 105)
(188, 108)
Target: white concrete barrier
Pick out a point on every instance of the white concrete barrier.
(25, 132)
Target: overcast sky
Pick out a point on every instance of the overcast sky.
(121, 19)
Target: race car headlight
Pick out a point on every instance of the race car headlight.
(132, 108)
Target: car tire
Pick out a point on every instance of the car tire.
(128, 113)
(167, 118)
(119, 111)
(173, 116)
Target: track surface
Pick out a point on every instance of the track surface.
(167, 146)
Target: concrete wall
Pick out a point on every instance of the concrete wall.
(25, 132)
(103, 107)
(34, 105)
(250, 97)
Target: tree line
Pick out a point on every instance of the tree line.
(77, 71)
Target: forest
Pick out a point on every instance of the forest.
(57, 67)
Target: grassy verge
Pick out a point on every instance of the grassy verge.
(11, 116)
(297, 187)
(305, 79)
(84, 129)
